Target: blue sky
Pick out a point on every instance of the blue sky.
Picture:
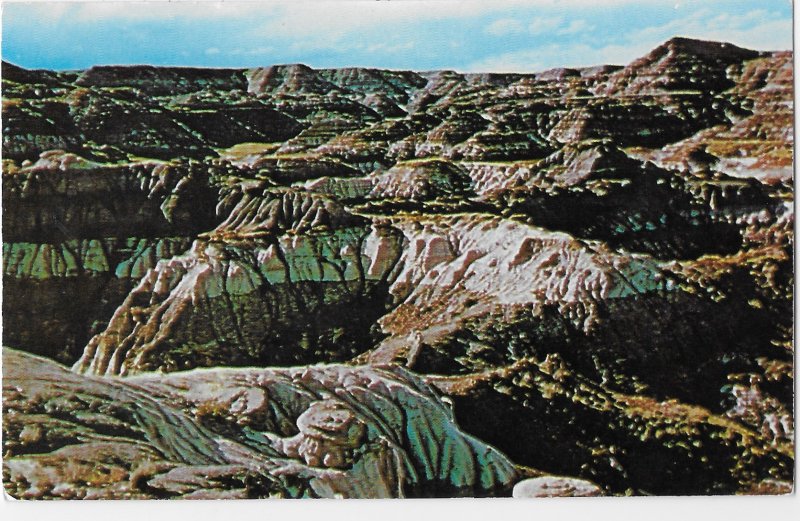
(500, 35)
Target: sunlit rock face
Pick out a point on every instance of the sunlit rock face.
(323, 431)
(589, 270)
(288, 277)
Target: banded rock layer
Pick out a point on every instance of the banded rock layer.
(328, 431)
(593, 266)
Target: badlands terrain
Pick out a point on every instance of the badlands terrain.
(289, 282)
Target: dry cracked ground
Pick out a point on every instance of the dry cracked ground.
(288, 282)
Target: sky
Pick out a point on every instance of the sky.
(466, 35)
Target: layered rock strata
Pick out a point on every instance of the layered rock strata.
(593, 266)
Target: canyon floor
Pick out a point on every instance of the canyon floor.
(289, 282)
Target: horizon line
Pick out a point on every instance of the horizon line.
(369, 67)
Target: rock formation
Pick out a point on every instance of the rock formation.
(322, 431)
(354, 282)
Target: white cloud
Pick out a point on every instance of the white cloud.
(396, 27)
(522, 61)
(211, 51)
(387, 48)
(88, 12)
(576, 26)
(332, 20)
(558, 55)
(313, 26)
(545, 25)
(558, 25)
(758, 29)
(257, 51)
(355, 11)
(503, 27)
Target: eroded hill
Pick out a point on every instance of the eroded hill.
(593, 266)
